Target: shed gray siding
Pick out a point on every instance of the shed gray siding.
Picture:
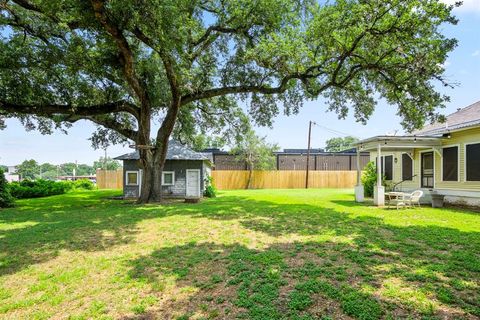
(130, 191)
(179, 167)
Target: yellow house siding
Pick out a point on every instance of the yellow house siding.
(460, 138)
(397, 169)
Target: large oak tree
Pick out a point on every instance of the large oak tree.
(183, 66)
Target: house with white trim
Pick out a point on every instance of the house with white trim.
(441, 158)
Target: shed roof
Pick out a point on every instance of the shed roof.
(461, 119)
(175, 151)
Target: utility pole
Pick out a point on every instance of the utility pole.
(308, 152)
(75, 171)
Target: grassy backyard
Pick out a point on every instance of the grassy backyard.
(263, 254)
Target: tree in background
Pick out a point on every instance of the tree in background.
(256, 152)
(69, 168)
(340, 144)
(108, 164)
(28, 169)
(185, 65)
(204, 141)
(47, 171)
(85, 170)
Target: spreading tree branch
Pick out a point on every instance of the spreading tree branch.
(51, 109)
(127, 58)
(27, 5)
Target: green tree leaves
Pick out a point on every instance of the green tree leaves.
(340, 144)
(196, 67)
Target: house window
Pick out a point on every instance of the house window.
(472, 165)
(387, 167)
(168, 178)
(407, 167)
(132, 178)
(450, 164)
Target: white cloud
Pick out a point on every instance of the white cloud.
(446, 64)
(468, 5)
(476, 53)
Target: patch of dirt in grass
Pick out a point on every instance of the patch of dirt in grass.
(203, 293)
(326, 307)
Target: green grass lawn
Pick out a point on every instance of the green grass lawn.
(261, 254)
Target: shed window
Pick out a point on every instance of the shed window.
(450, 164)
(472, 165)
(168, 178)
(407, 167)
(132, 178)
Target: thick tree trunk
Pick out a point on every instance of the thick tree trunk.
(147, 180)
(151, 187)
(156, 194)
(155, 160)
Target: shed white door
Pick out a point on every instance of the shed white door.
(193, 183)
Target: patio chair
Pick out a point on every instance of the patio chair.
(413, 199)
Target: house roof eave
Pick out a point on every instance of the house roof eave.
(399, 142)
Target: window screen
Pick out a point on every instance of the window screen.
(388, 167)
(407, 167)
(132, 178)
(473, 162)
(450, 164)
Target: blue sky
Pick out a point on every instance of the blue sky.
(462, 67)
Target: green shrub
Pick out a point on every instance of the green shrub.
(39, 188)
(6, 199)
(210, 190)
(369, 178)
(84, 184)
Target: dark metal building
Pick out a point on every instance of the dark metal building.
(296, 159)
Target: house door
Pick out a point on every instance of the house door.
(193, 183)
(427, 170)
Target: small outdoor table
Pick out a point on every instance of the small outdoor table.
(398, 198)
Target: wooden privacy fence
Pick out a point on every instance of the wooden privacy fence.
(237, 179)
(109, 179)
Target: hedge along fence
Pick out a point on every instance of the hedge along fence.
(109, 179)
(237, 179)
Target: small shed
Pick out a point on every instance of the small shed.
(184, 174)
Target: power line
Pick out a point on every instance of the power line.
(338, 133)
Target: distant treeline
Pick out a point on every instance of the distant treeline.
(31, 169)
